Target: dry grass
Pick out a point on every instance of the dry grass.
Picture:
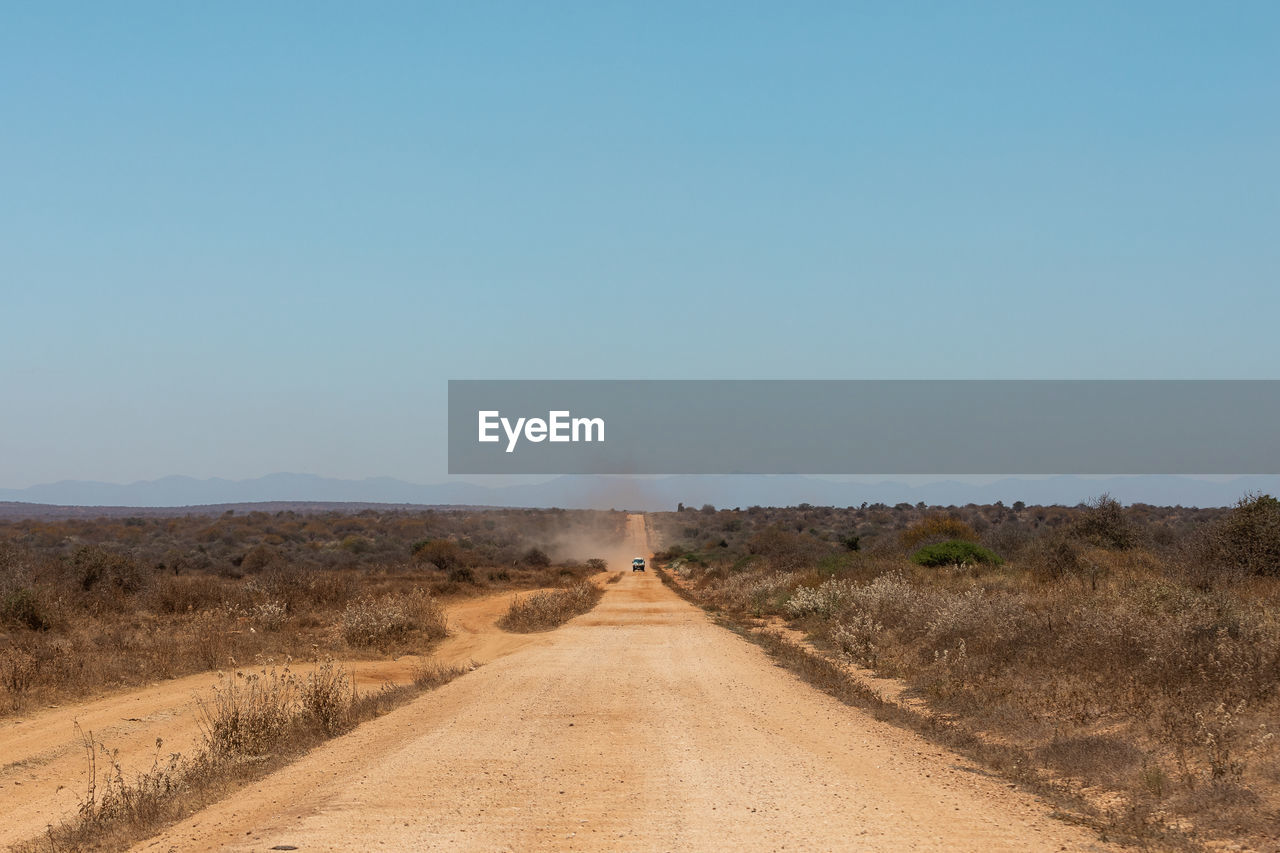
(93, 605)
(90, 606)
(1136, 687)
(542, 611)
(390, 619)
(86, 654)
(253, 723)
(833, 676)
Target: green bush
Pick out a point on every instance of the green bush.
(954, 553)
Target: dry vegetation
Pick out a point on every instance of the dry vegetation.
(253, 723)
(1128, 658)
(89, 605)
(547, 609)
(92, 605)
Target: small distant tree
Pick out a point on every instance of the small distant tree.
(1247, 540)
(1102, 522)
(95, 567)
(259, 557)
(444, 554)
(936, 528)
(537, 558)
(1054, 555)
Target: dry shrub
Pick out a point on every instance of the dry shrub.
(431, 674)
(825, 600)
(105, 579)
(185, 593)
(444, 554)
(392, 618)
(542, 611)
(1102, 522)
(17, 674)
(858, 637)
(269, 615)
(890, 598)
(332, 589)
(24, 607)
(260, 557)
(936, 528)
(111, 802)
(1247, 540)
(536, 557)
(281, 581)
(462, 574)
(326, 696)
(786, 550)
(208, 636)
(248, 713)
(1053, 556)
(754, 593)
(251, 724)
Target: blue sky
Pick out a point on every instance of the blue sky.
(250, 237)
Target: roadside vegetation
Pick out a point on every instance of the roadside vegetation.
(252, 723)
(90, 605)
(547, 609)
(1127, 658)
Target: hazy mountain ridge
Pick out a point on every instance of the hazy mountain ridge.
(573, 492)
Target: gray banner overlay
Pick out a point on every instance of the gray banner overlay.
(865, 427)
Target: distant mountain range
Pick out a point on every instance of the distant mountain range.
(574, 492)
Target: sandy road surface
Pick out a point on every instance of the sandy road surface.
(42, 762)
(639, 726)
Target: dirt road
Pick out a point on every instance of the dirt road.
(42, 761)
(639, 726)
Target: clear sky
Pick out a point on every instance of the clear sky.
(238, 238)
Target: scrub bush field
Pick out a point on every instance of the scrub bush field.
(88, 605)
(1129, 655)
